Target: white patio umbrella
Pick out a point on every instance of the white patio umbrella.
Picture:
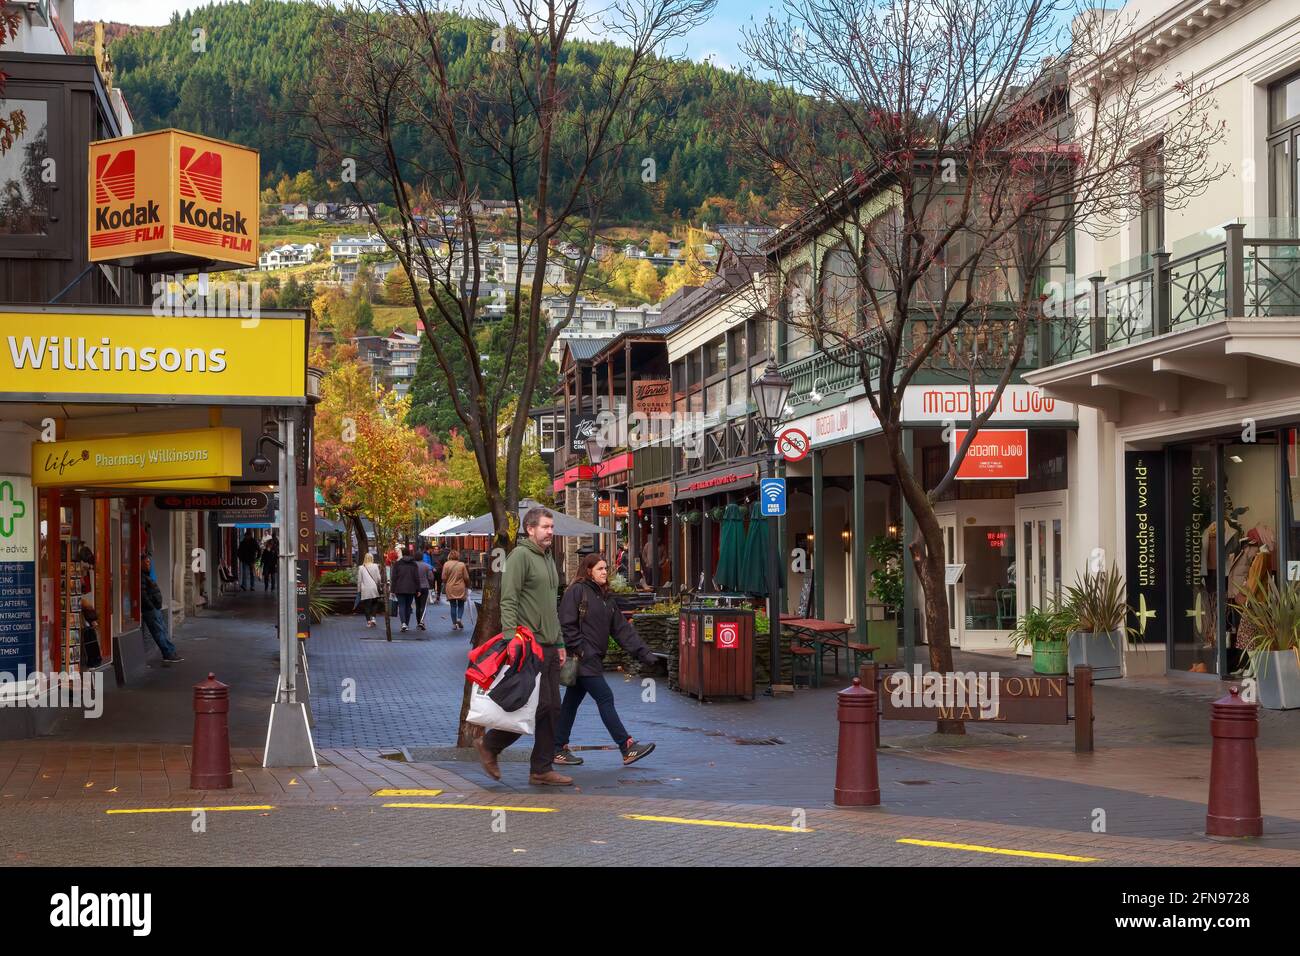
(439, 527)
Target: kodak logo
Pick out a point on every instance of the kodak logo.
(115, 176)
(218, 218)
(139, 215)
(200, 174)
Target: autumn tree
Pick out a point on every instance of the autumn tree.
(941, 154)
(507, 118)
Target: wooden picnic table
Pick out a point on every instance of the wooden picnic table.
(821, 635)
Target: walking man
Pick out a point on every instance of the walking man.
(405, 580)
(247, 554)
(528, 597)
(422, 595)
(151, 615)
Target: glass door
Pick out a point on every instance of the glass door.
(1040, 572)
(948, 525)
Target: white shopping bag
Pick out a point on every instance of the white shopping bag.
(485, 712)
(469, 615)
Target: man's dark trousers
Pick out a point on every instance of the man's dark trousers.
(548, 714)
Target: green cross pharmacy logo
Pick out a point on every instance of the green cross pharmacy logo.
(11, 509)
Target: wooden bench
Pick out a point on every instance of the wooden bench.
(800, 652)
(861, 651)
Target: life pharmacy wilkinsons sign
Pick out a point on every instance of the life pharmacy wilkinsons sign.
(76, 355)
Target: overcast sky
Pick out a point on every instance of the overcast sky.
(717, 38)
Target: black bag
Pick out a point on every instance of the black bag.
(514, 690)
(90, 656)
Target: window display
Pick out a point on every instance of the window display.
(990, 577)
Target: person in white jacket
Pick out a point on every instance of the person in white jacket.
(368, 585)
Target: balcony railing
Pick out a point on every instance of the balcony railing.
(990, 337)
(1215, 275)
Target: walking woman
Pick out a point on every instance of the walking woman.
(589, 618)
(270, 560)
(455, 584)
(368, 584)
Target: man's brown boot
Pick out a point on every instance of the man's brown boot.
(550, 779)
(487, 758)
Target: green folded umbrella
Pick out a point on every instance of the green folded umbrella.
(730, 548)
(754, 560)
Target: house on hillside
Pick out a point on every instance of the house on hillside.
(290, 254)
(354, 247)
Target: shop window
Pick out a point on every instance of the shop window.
(1047, 461)
(797, 306)
(760, 337)
(990, 576)
(33, 215)
(1151, 222)
(1250, 526)
(838, 292)
(717, 398)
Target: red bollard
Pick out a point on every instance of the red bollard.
(210, 762)
(857, 782)
(1234, 769)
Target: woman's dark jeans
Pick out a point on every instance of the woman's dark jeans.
(604, 697)
(404, 603)
(457, 608)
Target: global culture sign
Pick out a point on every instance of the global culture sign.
(1144, 518)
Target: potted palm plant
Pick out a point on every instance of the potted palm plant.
(1272, 617)
(1099, 623)
(1043, 631)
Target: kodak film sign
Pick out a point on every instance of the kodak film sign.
(173, 199)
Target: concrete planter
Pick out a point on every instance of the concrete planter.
(1102, 651)
(1278, 673)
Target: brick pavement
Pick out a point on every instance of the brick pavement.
(710, 759)
(587, 831)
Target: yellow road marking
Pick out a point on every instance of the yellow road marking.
(398, 792)
(1002, 851)
(466, 806)
(190, 809)
(718, 823)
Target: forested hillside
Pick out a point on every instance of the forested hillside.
(242, 78)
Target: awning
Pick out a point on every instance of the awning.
(439, 527)
(565, 526)
(326, 526)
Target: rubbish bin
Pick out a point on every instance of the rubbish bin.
(716, 651)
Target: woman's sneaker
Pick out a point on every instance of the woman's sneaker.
(635, 751)
(566, 758)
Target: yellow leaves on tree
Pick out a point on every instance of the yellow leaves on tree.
(390, 468)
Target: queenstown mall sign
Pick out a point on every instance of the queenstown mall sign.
(936, 405)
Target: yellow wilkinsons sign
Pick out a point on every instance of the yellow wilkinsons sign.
(132, 459)
(74, 355)
(102, 356)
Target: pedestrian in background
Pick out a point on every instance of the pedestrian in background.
(405, 578)
(589, 617)
(431, 559)
(369, 581)
(151, 602)
(247, 555)
(422, 595)
(528, 588)
(455, 582)
(270, 563)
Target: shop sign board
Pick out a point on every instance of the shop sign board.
(130, 459)
(957, 696)
(995, 454)
(652, 396)
(17, 575)
(1144, 519)
(582, 427)
(227, 502)
(604, 509)
(302, 571)
(653, 496)
(1018, 403)
(134, 355)
(705, 485)
(173, 198)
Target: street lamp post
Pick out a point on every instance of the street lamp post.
(771, 389)
(595, 455)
